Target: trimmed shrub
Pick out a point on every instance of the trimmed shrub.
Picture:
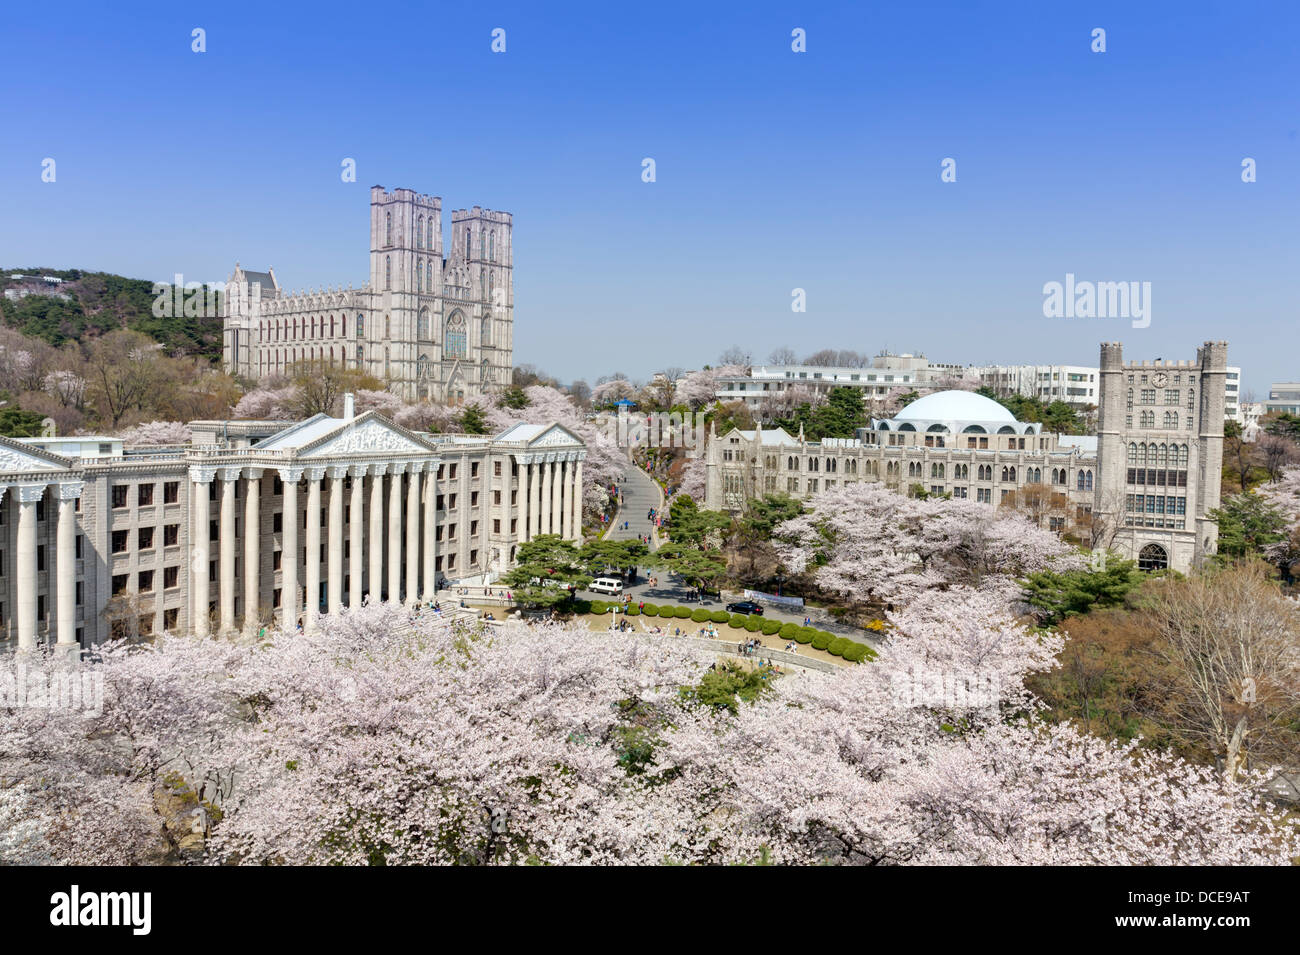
(737, 620)
(700, 615)
(753, 624)
(838, 646)
(770, 627)
(667, 610)
(719, 616)
(682, 612)
(804, 634)
(599, 606)
(633, 610)
(821, 640)
(650, 610)
(581, 606)
(788, 630)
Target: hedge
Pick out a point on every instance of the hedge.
(719, 616)
(770, 627)
(737, 620)
(822, 640)
(650, 610)
(599, 606)
(788, 630)
(633, 610)
(805, 634)
(581, 605)
(837, 646)
(700, 615)
(682, 612)
(753, 624)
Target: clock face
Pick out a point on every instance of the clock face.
(1160, 379)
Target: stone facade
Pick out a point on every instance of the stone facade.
(344, 510)
(1145, 486)
(431, 327)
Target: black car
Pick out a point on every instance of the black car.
(745, 606)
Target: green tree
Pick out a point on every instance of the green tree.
(766, 512)
(1061, 594)
(546, 567)
(691, 526)
(473, 420)
(515, 398)
(1247, 525)
(697, 567)
(17, 423)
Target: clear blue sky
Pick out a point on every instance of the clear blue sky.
(775, 170)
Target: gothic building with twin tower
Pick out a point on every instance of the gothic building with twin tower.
(431, 326)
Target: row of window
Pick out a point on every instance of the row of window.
(1155, 504)
(1159, 477)
(1159, 455)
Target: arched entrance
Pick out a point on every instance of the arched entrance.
(1153, 557)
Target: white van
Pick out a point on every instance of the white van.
(607, 585)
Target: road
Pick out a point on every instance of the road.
(640, 493)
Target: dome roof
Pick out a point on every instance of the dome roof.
(955, 406)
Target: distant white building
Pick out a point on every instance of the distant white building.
(1283, 396)
(886, 373)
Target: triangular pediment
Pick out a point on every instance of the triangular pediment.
(19, 458)
(555, 436)
(367, 434)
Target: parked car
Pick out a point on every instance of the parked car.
(606, 585)
(745, 606)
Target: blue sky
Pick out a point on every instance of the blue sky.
(775, 170)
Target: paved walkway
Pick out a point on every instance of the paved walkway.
(640, 493)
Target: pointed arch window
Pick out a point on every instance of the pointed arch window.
(419, 275)
(492, 246)
(419, 233)
(388, 271)
(388, 228)
(485, 332)
(454, 344)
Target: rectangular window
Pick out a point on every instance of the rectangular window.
(496, 526)
(144, 495)
(171, 535)
(119, 495)
(119, 583)
(171, 577)
(146, 582)
(171, 492)
(145, 539)
(119, 541)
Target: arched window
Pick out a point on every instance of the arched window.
(422, 325)
(482, 244)
(361, 327)
(422, 366)
(454, 344)
(468, 245)
(1171, 420)
(1152, 557)
(419, 232)
(485, 331)
(388, 228)
(483, 372)
(1080, 481)
(492, 246)
(429, 241)
(419, 275)
(482, 286)
(428, 276)
(388, 271)
(1088, 483)
(361, 354)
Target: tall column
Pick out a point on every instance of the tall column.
(395, 533)
(66, 566)
(335, 585)
(557, 482)
(523, 501)
(413, 535)
(356, 528)
(252, 549)
(200, 514)
(566, 502)
(431, 531)
(312, 575)
(577, 501)
(289, 550)
(375, 585)
(534, 500)
(28, 495)
(226, 552)
(545, 526)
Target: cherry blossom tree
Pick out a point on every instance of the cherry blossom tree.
(384, 402)
(869, 542)
(700, 388)
(381, 738)
(268, 404)
(157, 432)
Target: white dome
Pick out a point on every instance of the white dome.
(955, 406)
